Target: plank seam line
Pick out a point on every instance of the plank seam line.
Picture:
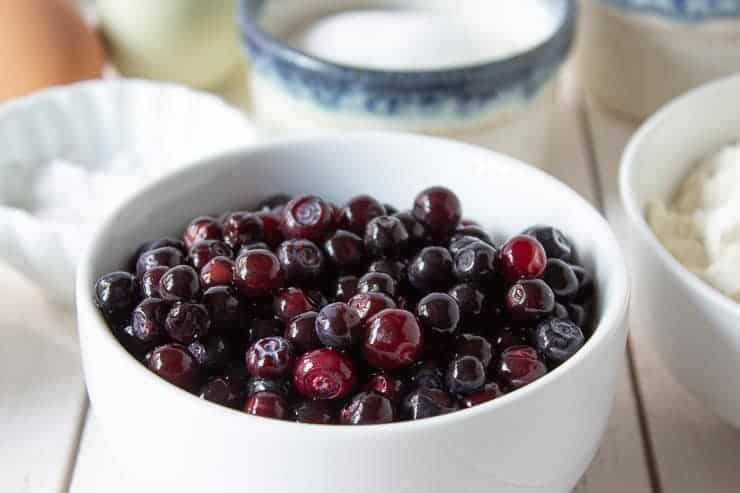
(646, 436)
(75, 452)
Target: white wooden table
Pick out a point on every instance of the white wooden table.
(659, 438)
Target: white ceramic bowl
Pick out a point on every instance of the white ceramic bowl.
(694, 327)
(161, 126)
(540, 438)
(628, 46)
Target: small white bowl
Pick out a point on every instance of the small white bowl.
(89, 124)
(539, 438)
(636, 55)
(695, 328)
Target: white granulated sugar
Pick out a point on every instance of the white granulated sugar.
(423, 39)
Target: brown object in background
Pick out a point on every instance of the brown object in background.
(45, 43)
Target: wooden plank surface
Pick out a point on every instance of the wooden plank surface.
(693, 451)
(620, 464)
(42, 396)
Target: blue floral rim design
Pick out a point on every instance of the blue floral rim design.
(461, 92)
(682, 10)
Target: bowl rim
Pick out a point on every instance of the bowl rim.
(612, 317)
(564, 30)
(636, 214)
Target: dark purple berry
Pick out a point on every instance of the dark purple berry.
(116, 294)
(358, 212)
(301, 333)
(201, 228)
(530, 299)
(313, 412)
(489, 392)
(469, 300)
(386, 236)
(148, 320)
(150, 282)
(367, 408)
(271, 357)
(338, 326)
(211, 354)
(271, 231)
(556, 244)
(180, 283)
(307, 217)
(431, 270)
(266, 326)
(226, 311)
(414, 228)
(242, 228)
(560, 312)
(439, 312)
(426, 403)
(476, 262)
(471, 231)
(258, 384)
(426, 374)
(203, 251)
(386, 384)
(394, 268)
(224, 391)
(585, 285)
(561, 278)
(557, 340)
(302, 260)
(577, 314)
(345, 250)
(187, 322)
(508, 336)
(345, 288)
(459, 242)
(159, 257)
(439, 210)
(377, 282)
(465, 375)
(473, 345)
(368, 304)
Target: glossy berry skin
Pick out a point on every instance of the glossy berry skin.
(560, 312)
(377, 282)
(153, 245)
(257, 384)
(242, 228)
(476, 346)
(271, 357)
(465, 375)
(116, 293)
(477, 262)
(577, 314)
(301, 333)
(338, 326)
(367, 408)
(180, 283)
(387, 385)
(345, 288)
(561, 278)
(264, 326)
(558, 340)
(313, 412)
(414, 228)
(260, 245)
(393, 340)
(148, 320)
(426, 374)
(345, 250)
(271, 233)
(224, 391)
(460, 242)
(386, 237)
(211, 354)
(529, 300)
(218, 272)
(308, 217)
(585, 292)
(291, 302)
(369, 304)
(471, 230)
(555, 243)
(201, 228)
(266, 405)
(150, 282)
(439, 210)
(175, 364)
(358, 212)
(523, 257)
(489, 392)
(325, 374)
(439, 312)
(206, 250)
(258, 274)
(301, 260)
(431, 270)
(426, 403)
(520, 365)
(226, 311)
(469, 301)
(394, 268)
(164, 256)
(187, 322)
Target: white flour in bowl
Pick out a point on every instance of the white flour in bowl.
(701, 225)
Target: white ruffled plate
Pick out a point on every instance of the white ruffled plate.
(89, 125)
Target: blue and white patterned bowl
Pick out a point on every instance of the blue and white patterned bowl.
(500, 103)
(636, 55)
